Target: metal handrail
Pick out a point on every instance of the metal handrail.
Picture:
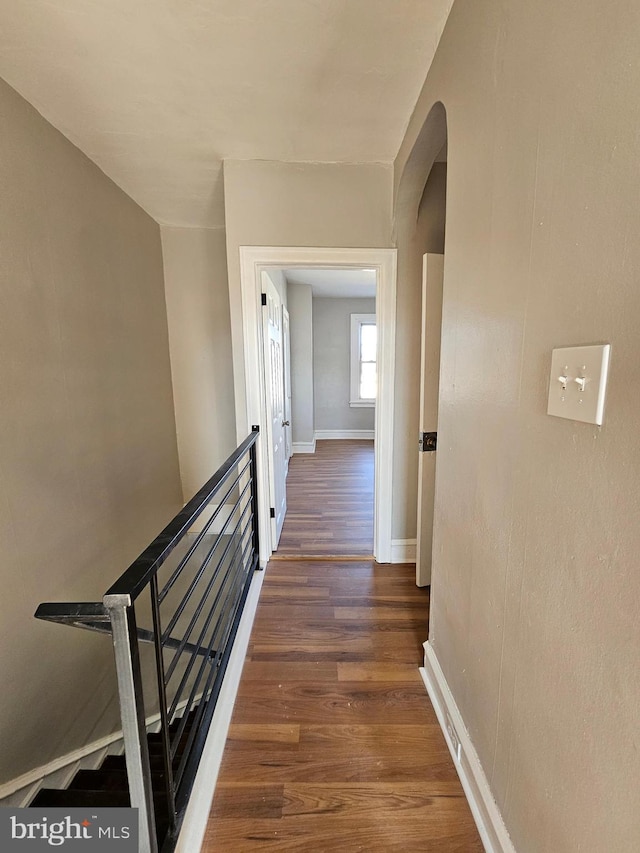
(94, 616)
(217, 583)
(140, 572)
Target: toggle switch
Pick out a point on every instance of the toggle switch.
(578, 383)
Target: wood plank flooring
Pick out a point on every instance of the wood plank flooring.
(334, 745)
(330, 501)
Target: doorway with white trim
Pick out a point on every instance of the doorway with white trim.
(255, 261)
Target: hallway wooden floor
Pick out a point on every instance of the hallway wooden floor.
(334, 745)
(330, 501)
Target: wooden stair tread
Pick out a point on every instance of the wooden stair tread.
(51, 797)
(108, 780)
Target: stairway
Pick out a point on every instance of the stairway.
(107, 786)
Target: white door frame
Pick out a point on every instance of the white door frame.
(249, 352)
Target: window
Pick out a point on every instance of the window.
(364, 373)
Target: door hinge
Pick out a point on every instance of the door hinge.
(272, 512)
(264, 298)
(427, 442)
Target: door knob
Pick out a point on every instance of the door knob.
(427, 442)
(286, 423)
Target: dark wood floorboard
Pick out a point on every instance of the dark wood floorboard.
(334, 745)
(330, 501)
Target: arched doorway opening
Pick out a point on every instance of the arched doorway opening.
(420, 237)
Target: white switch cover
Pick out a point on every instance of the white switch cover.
(578, 383)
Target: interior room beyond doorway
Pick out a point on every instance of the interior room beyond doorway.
(330, 502)
(328, 370)
(254, 387)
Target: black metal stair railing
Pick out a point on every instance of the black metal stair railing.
(181, 601)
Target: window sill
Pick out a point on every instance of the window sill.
(362, 404)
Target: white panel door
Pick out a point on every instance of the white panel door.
(274, 368)
(432, 275)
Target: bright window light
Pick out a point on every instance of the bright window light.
(364, 373)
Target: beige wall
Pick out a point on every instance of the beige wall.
(197, 292)
(88, 462)
(332, 364)
(300, 204)
(536, 582)
(307, 204)
(301, 329)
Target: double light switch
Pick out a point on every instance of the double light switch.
(578, 383)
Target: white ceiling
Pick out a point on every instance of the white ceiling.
(159, 93)
(333, 283)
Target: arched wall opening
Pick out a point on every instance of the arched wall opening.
(419, 228)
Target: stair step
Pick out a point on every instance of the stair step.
(173, 728)
(155, 744)
(109, 780)
(114, 762)
(89, 796)
(118, 763)
(50, 798)
(78, 798)
(99, 780)
(107, 787)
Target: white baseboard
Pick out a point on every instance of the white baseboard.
(304, 446)
(484, 808)
(344, 433)
(197, 814)
(323, 434)
(403, 550)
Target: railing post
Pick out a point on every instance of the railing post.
(254, 495)
(134, 730)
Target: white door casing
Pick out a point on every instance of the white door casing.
(249, 367)
(432, 281)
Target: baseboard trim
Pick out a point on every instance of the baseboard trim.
(195, 820)
(403, 550)
(323, 434)
(304, 446)
(484, 808)
(322, 558)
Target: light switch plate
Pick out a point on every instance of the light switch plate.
(578, 383)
